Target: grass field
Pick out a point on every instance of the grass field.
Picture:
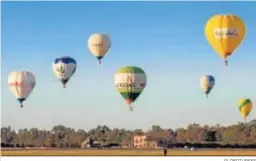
(127, 152)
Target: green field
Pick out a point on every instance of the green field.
(127, 152)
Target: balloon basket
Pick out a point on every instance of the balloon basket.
(99, 62)
(131, 108)
(226, 63)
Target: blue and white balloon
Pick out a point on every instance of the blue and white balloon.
(64, 68)
(207, 83)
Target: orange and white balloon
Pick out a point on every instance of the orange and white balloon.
(99, 45)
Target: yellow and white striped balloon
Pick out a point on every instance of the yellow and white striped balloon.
(99, 45)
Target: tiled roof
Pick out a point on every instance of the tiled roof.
(158, 135)
(151, 136)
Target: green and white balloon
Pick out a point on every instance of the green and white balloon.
(130, 81)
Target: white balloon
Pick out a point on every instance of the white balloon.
(21, 84)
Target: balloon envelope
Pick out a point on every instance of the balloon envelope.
(225, 33)
(130, 81)
(207, 83)
(245, 107)
(99, 45)
(21, 84)
(64, 68)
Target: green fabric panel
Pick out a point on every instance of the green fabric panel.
(246, 101)
(131, 69)
(130, 95)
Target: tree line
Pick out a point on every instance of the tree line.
(237, 135)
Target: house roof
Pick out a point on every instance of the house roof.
(151, 136)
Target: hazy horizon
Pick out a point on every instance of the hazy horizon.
(165, 39)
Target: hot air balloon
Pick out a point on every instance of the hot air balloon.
(245, 107)
(207, 83)
(130, 81)
(98, 45)
(64, 68)
(225, 33)
(21, 84)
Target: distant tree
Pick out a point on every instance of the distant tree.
(156, 128)
(66, 137)
(210, 136)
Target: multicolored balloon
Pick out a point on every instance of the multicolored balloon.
(21, 84)
(207, 83)
(64, 68)
(245, 107)
(99, 45)
(130, 81)
(225, 33)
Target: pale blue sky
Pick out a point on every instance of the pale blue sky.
(166, 39)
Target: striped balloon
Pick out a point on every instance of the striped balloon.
(64, 68)
(21, 84)
(245, 107)
(99, 45)
(207, 83)
(130, 81)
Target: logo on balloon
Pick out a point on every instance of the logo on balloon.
(61, 70)
(130, 83)
(225, 32)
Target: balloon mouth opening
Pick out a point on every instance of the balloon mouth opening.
(21, 100)
(128, 101)
(99, 59)
(64, 82)
(207, 93)
(229, 53)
